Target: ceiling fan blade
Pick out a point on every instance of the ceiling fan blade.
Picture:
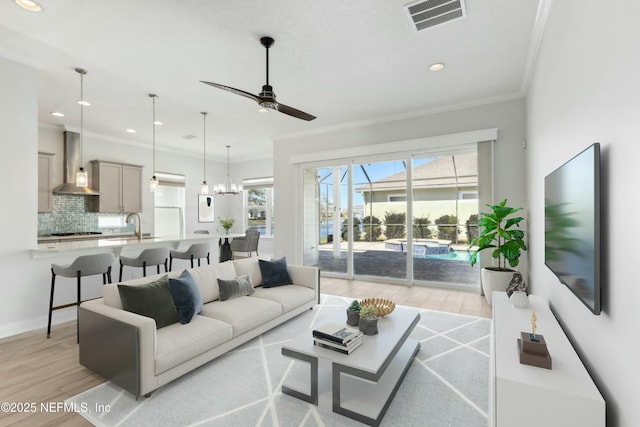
(293, 112)
(233, 90)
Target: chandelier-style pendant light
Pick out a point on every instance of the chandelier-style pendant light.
(204, 188)
(82, 179)
(229, 187)
(153, 183)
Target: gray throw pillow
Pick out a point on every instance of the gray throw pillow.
(234, 288)
(152, 300)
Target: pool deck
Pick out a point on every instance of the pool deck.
(373, 259)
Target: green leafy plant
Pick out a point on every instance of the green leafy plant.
(372, 228)
(226, 223)
(394, 225)
(498, 233)
(367, 312)
(355, 305)
(421, 227)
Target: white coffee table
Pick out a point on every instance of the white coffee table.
(362, 384)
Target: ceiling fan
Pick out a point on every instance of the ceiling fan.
(266, 98)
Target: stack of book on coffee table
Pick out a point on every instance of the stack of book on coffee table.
(340, 338)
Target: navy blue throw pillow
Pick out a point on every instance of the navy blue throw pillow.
(274, 273)
(186, 296)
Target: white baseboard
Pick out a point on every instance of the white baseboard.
(40, 322)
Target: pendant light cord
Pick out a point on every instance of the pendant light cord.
(204, 145)
(81, 116)
(153, 125)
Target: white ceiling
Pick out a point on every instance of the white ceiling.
(346, 62)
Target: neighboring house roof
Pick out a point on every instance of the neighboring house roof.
(438, 173)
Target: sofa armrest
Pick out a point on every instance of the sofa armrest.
(305, 276)
(119, 345)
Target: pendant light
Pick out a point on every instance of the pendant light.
(82, 180)
(153, 183)
(228, 188)
(204, 188)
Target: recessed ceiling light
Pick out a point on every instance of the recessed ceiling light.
(84, 103)
(436, 67)
(157, 123)
(29, 5)
(130, 130)
(57, 114)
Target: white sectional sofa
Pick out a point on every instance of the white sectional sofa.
(127, 349)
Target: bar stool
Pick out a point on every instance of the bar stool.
(86, 265)
(195, 251)
(147, 258)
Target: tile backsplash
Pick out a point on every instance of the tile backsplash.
(74, 213)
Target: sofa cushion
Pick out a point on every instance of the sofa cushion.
(186, 296)
(178, 343)
(243, 313)
(289, 296)
(227, 270)
(205, 278)
(152, 299)
(240, 286)
(111, 294)
(251, 267)
(274, 273)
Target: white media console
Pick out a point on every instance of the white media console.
(528, 396)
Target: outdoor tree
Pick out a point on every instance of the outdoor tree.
(357, 230)
(372, 228)
(472, 227)
(421, 228)
(447, 232)
(394, 224)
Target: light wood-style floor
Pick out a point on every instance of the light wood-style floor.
(37, 370)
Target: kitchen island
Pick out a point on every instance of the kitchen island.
(119, 244)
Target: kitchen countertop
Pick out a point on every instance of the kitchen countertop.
(116, 244)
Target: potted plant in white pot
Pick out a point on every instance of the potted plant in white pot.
(501, 233)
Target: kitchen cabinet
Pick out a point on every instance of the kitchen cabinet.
(45, 162)
(120, 186)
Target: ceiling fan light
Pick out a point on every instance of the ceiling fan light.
(263, 110)
(436, 67)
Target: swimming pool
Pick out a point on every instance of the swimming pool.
(452, 256)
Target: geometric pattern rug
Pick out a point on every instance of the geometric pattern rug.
(446, 385)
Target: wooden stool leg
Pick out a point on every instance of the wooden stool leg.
(208, 262)
(170, 262)
(165, 267)
(120, 277)
(53, 284)
(109, 274)
(158, 268)
(144, 269)
(191, 260)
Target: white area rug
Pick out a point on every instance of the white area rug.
(446, 385)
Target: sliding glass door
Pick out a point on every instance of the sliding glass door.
(402, 221)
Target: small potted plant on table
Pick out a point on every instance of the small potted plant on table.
(368, 323)
(353, 313)
(226, 223)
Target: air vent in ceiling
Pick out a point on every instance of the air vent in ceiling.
(428, 13)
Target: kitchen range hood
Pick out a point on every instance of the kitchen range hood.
(71, 166)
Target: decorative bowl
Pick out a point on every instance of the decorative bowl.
(383, 306)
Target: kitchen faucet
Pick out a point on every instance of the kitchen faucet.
(136, 231)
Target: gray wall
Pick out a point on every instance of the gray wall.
(585, 89)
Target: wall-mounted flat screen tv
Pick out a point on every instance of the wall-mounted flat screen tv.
(572, 225)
